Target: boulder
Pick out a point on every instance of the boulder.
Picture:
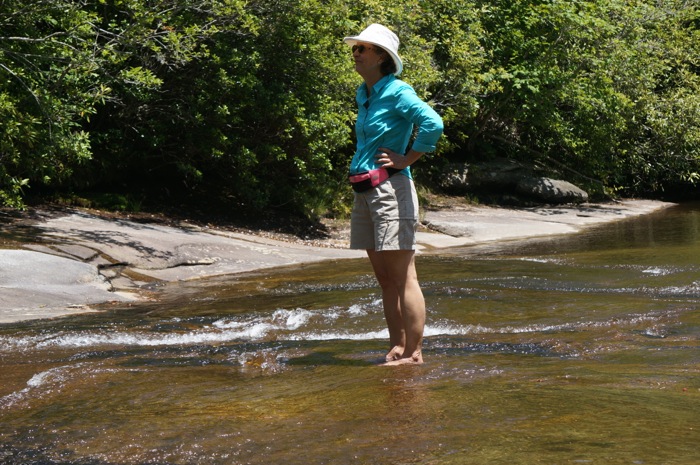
(550, 190)
(454, 179)
(496, 176)
(464, 178)
(508, 179)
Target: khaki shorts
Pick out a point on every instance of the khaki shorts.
(385, 217)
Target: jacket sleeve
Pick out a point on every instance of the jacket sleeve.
(422, 115)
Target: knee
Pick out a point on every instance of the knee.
(385, 281)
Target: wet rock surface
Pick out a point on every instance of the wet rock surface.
(63, 262)
(40, 285)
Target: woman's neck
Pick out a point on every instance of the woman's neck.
(370, 80)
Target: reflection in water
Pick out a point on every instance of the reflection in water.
(573, 350)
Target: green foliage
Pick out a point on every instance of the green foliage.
(583, 85)
(252, 100)
(46, 92)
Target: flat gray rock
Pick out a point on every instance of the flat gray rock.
(38, 285)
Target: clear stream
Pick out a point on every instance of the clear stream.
(581, 349)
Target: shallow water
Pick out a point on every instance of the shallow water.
(582, 349)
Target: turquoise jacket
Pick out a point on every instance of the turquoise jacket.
(387, 118)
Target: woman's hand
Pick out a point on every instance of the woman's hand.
(387, 158)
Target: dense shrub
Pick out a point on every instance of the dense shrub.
(251, 101)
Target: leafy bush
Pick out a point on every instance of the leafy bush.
(251, 101)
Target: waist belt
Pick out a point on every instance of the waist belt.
(365, 181)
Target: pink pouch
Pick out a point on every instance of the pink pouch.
(365, 181)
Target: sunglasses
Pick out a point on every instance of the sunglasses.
(360, 48)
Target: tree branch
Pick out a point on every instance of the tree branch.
(31, 92)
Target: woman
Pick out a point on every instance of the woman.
(385, 211)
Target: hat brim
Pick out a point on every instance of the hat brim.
(397, 60)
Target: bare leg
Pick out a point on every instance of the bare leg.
(404, 305)
(392, 307)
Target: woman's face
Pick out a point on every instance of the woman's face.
(368, 58)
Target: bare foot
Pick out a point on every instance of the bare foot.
(394, 354)
(416, 359)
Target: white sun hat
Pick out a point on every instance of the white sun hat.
(381, 36)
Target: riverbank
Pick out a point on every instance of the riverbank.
(60, 262)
